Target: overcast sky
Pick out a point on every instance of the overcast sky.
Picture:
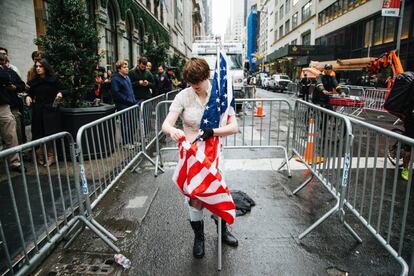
(221, 11)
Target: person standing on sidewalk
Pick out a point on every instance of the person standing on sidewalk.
(123, 95)
(190, 105)
(44, 94)
(142, 80)
(162, 82)
(7, 120)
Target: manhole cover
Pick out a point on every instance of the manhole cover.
(92, 265)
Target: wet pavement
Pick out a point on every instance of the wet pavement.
(157, 237)
(149, 217)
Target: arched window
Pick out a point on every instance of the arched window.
(141, 34)
(111, 37)
(91, 7)
(128, 38)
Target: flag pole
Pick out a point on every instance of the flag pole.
(219, 222)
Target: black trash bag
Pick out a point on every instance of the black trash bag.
(400, 100)
(243, 202)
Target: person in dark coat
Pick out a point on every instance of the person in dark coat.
(142, 80)
(305, 85)
(44, 94)
(123, 95)
(326, 84)
(162, 82)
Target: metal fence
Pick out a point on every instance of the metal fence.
(41, 204)
(356, 171)
(266, 129)
(108, 147)
(376, 194)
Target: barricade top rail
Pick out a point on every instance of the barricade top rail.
(384, 131)
(348, 125)
(152, 99)
(35, 143)
(103, 119)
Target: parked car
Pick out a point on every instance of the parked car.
(265, 82)
(279, 82)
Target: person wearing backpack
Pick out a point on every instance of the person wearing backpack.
(400, 102)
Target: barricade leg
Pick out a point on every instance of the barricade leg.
(219, 250)
(332, 211)
(303, 185)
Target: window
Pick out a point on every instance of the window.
(179, 12)
(294, 42)
(162, 12)
(128, 39)
(280, 32)
(377, 31)
(281, 12)
(295, 20)
(276, 17)
(389, 29)
(276, 35)
(287, 26)
(111, 38)
(368, 33)
(287, 6)
(148, 4)
(306, 11)
(406, 23)
(306, 38)
(156, 6)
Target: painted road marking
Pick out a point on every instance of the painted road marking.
(271, 164)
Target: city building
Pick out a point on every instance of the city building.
(359, 30)
(305, 30)
(127, 27)
(235, 26)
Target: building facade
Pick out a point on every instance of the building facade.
(302, 30)
(358, 29)
(126, 27)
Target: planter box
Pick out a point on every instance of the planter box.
(74, 118)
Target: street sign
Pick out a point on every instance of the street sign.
(391, 8)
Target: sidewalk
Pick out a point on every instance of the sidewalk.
(149, 217)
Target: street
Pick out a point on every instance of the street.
(149, 217)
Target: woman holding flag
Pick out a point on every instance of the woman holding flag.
(207, 113)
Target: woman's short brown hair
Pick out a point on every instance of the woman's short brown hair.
(120, 63)
(196, 70)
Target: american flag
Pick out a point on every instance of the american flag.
(197, 174)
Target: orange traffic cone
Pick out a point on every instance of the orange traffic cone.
(308, 156)
(259, 111)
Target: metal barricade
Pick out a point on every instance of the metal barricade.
(321, 141)
(41, 204)
(108, 147)
(171, 95)
(374, 98)
(270, 130)
(376, 195)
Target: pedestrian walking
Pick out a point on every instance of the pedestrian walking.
(44, 95)
(305, 84)
(141, 79)
(190, 104)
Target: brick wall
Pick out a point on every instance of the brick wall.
(17, 32)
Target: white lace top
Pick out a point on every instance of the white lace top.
(191, 109)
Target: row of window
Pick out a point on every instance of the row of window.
(290, 24)
(337, 9)
(375, 31)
